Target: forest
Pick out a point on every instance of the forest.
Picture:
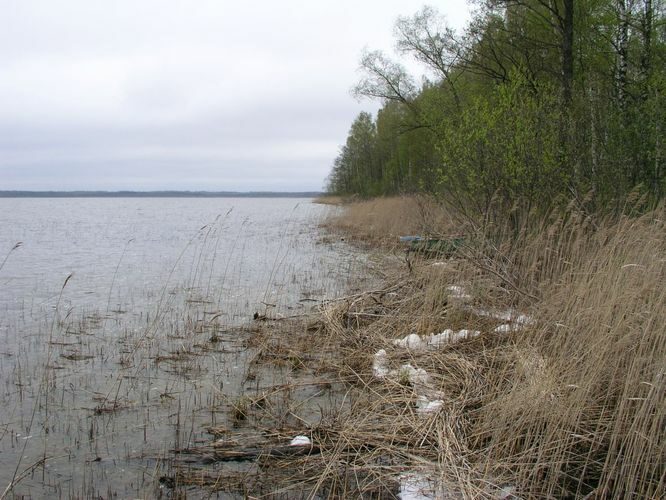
(535, 104)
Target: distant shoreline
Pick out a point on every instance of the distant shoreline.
(158, 194)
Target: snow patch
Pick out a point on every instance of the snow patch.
(523, 319)
(379, 365)
(441, 339)
(450, 337)
(411, 341)
(415, 342)
(414, 375)
(416, 487)
(424, 406)
(509, 316)
(466, 335)
(300, 441)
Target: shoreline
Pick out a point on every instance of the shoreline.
(483, 365)
(450, 380)
(358, 368)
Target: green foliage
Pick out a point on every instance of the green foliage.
(356, 169)
(504, 149)
(537, 101)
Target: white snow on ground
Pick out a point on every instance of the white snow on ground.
(450, 337)
(411, 341)
(441, 339)
(300, 441)
(523, 319)
(414, 342)
(414, 375)
(510, 316)
(465, 335)
(380, 364)
(416, 487)
(413, 485)
(516, 322)
(424, 406)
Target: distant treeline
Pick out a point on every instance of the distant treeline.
(156, 194)
(537, 103)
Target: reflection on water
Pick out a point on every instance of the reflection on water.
(105, 374)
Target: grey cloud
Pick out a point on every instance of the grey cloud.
(210, 94)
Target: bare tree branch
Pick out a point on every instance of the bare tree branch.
(384, 79)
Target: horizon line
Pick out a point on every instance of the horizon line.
(164, 193)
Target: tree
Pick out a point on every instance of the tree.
(537, 100)
(355, 169)
(384, 79)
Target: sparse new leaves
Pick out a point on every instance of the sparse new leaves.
(384, 79)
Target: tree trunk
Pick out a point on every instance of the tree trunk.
(568, 51)
(622, 53)
(646, 56)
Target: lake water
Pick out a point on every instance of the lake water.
(103, 295)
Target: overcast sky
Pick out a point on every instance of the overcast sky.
(188, 95)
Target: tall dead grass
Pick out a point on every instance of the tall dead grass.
(382, 220)
(571, 405)
(548, 384)
(586, 415)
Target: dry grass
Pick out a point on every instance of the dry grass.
(382, 220)
(331, 200)
(589, 414)
(575, 403)
(570, 403)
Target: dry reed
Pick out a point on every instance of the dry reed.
(555, 390)
(574, 404)
(382, 220)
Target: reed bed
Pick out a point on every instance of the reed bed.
(382, 220)
(104, 385)
(530, 364)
